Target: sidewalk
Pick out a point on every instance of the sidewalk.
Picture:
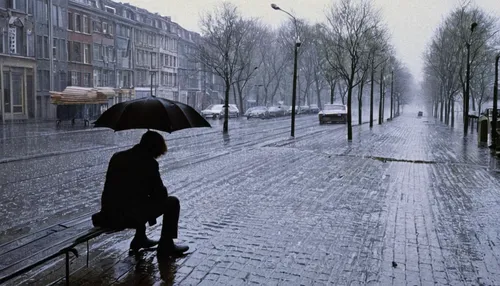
(407, 203)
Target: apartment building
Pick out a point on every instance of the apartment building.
(48, 45)
(17, 60)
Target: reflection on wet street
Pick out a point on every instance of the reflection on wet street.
(260, 207)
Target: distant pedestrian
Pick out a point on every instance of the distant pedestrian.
(134, 195)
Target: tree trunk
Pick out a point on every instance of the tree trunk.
(318, 94)
(383, 105)
(371, 95)
(234, 95)
(332, 92)
(447, 112)
(342, 94)
(452, 111)
(380, 102)
(225, 128)
(441, 107)
(349, 101)
(242, 107)
(436, 107)
(471, 93)
(258, 96)
(360, 103)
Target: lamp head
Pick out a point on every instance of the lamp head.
(275, 7)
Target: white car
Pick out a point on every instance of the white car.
(217, 111)
(334, 113)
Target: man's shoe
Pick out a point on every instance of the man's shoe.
(137, 244)
(171, 250)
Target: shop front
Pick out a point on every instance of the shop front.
(17, 84)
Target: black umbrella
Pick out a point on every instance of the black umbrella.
(151, 113)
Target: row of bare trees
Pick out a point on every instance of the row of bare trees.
(346, 59)
(445, 63)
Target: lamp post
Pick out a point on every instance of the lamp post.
(392, 92)
(295, 55)
(495, 107)
(467, 79)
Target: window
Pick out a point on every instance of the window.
(30, 7)
(110, 9)
(70, 21)
(56, 82)
(69, 54)
(74, 76)
(60, 17)
(45, 80)
(95, 52)
(46, 47)
(86, 28)
(86, 53)
(86, 79)
(175, 62)
(39, 80)
(54, 15)
(104, 27)
(39, 46)
(62, 50)
(96, 26)
(78, 23)
(110, 29)
(62, 79)
(46, 11)
(129, 15)
(77, 52)
(54, 48)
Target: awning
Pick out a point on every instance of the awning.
(106, 91)
(78, 95)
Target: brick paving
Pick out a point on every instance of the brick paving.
(318, 210)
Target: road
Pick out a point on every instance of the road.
(260, 207)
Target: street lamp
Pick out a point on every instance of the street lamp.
(495, 107)
(467, 76)
(294, 90)
(392, 92)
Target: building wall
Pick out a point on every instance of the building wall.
(17, 62)
(132, 36)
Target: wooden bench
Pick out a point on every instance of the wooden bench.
(85, 237)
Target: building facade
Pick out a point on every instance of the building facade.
(48, 45)
(17, 60)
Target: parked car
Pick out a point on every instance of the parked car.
(334, 113)
(233, 108)
(420, 114)
(217, 111)
(276, 111)
(313, 108)
(304, 109)
(257, 112)
(289, 111)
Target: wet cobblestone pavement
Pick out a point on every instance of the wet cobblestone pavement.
(407, 203)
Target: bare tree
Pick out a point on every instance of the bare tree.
(224, 32)
(348, 30)
(247, 56)
(466, 28)
(272, 65)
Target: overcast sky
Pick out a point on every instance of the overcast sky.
(411, 22)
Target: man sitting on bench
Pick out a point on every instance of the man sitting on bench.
(134, 195)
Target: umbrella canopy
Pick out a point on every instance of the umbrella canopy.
(151, 113)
